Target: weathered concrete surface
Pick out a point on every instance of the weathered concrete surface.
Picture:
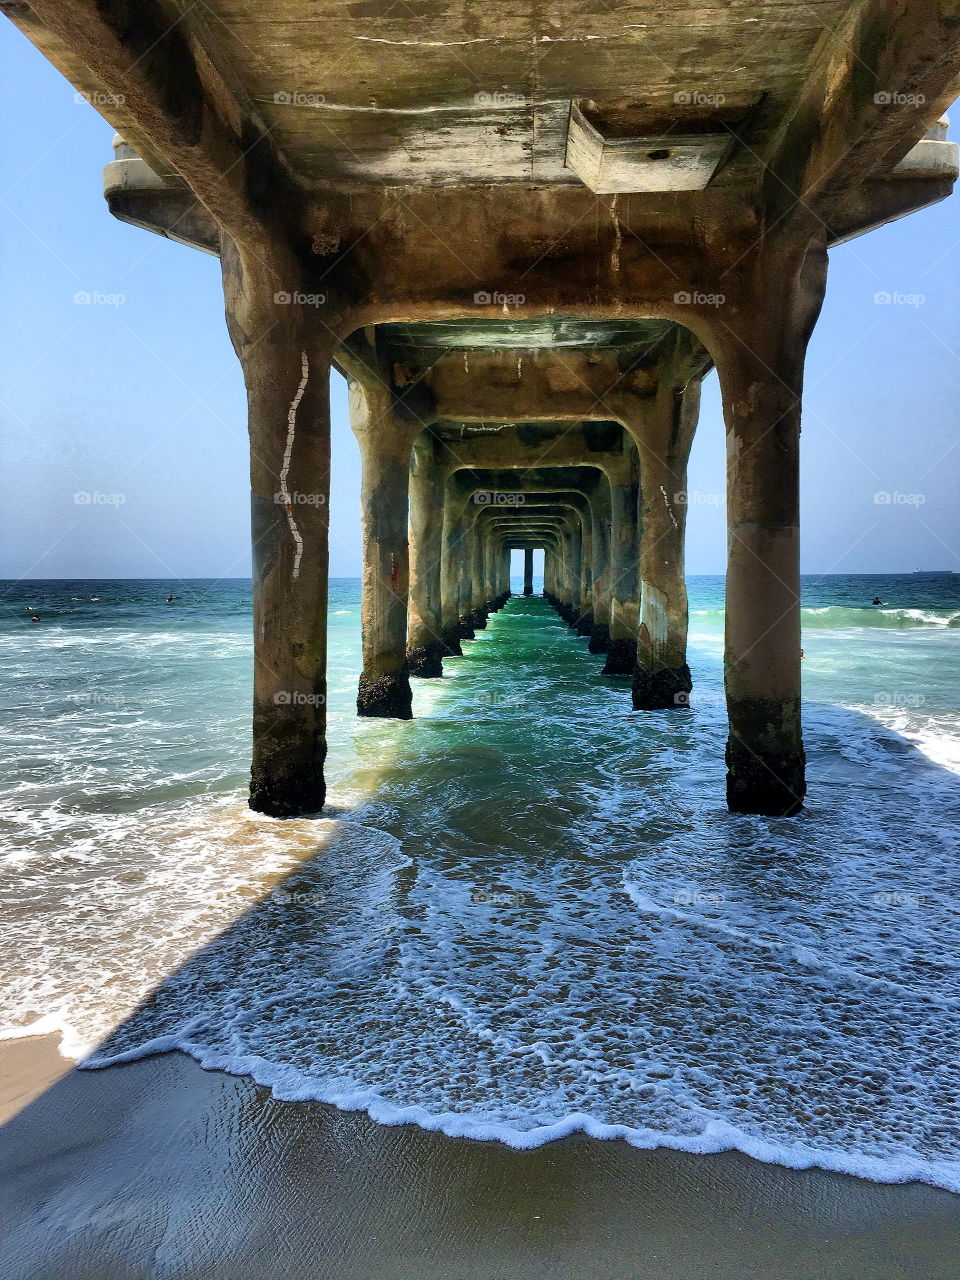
(424, 624)
(544, 499)
(662, 676)
(424, 191)
(624, 478)
(608, 449)
(598, 491)
(385, 445)
(761, 371)
(528, 572)
(287, 379)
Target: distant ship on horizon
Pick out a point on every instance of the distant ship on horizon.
(932, 573)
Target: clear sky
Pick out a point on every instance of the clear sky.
(144, 398)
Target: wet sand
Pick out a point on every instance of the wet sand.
(27, 1068)
(158, 1168)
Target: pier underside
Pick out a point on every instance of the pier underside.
(524, 238)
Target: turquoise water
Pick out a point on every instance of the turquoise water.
(528, 910)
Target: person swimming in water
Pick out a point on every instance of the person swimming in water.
(170, 599)
(877, 600)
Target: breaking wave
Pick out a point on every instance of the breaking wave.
(846, 616)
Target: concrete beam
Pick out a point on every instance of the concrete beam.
(877, 83)
(160, 84)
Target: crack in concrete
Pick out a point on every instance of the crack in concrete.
(429, 44)
(669, 508)
(436, 108)
(617, 237)
(287, 455)
(449, 44)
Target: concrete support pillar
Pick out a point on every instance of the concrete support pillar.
(500, 589)
(494, 563)
(570, 572)
(599, 494)
(385, 445)
(465, 573)
(624, 557)
(478, 594)
(286, 369)
(528, 572)
(557, 571)
(552, 544)
(662, 677)
(583, 623)
(761, 378)
(486, 586)
(577, 556)
(424, 623)
(451, 568)
(550, 551)
(485, 590)
(564, 571)
(552, 530)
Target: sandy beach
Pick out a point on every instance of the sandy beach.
(159, 1168)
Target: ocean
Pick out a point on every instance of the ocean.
(528, 912)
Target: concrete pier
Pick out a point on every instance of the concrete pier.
(286, 372)
(598, 490)
(761, 375)
(385, 446)
(662, 677)
(424, 622)
(528, 572)
(450, 562)
(525, 273)
(624, 563)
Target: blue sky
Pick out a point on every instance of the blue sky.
(144, 398)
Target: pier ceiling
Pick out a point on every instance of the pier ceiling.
(440, 94)
(509, 332)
